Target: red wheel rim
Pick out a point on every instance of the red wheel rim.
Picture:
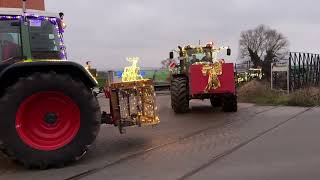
(47, 120)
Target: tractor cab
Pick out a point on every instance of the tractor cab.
(35, 35)
(199, 54)
(200, 74)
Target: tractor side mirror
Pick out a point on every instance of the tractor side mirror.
(171, 55)
(228, 52)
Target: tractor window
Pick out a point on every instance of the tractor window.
(44, 40)
(194, 55)
(10, 40)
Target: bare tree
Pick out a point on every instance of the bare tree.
(262, 46)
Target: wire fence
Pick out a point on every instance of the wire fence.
(304, 70)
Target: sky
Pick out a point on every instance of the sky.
(105, 32)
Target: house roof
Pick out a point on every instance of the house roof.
(18, 11)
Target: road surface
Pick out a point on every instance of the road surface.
(257, 142)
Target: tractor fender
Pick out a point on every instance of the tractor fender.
(12, 73)
(179, 75)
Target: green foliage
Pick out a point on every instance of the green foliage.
(149, 74)
(101, 82)
(159, 76)
(162, 76)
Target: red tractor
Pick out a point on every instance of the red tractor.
(199, 74)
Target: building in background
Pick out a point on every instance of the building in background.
(31, 4)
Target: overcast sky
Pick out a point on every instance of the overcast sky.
(107, 31)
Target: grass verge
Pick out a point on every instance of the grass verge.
(259, 92)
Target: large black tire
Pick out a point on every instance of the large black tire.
(11, 142)
(216, 101)
(180, 95)
(230, 103)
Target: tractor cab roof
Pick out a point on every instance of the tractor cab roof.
(197, 49)
(198, 46)
(18, 12)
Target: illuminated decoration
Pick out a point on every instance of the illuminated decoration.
(200, 50)
(210, 44)
(216, 51)
(53, 20)
(91, 71)
(132, 73)
(240, 80)
(213, 71)
(91, 75)
(63, 24)
(10, 17)
(60, 32)
(133, 103)
(255, 73)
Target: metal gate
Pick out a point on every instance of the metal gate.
(304, 70)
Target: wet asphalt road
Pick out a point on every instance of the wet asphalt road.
(257, 142)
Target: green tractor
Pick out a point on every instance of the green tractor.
(49, 115)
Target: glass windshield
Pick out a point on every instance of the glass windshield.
(199, 55)
(44, 39)
(10, 41)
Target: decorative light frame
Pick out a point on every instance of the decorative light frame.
(53, 20)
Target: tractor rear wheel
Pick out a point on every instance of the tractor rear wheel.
(230, 103)
(216, 101)
(180, 95)
(48, 119)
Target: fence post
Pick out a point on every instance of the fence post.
(271, 76)
(109, 80)
(318, 70)
(289, 73)
(288, 79)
